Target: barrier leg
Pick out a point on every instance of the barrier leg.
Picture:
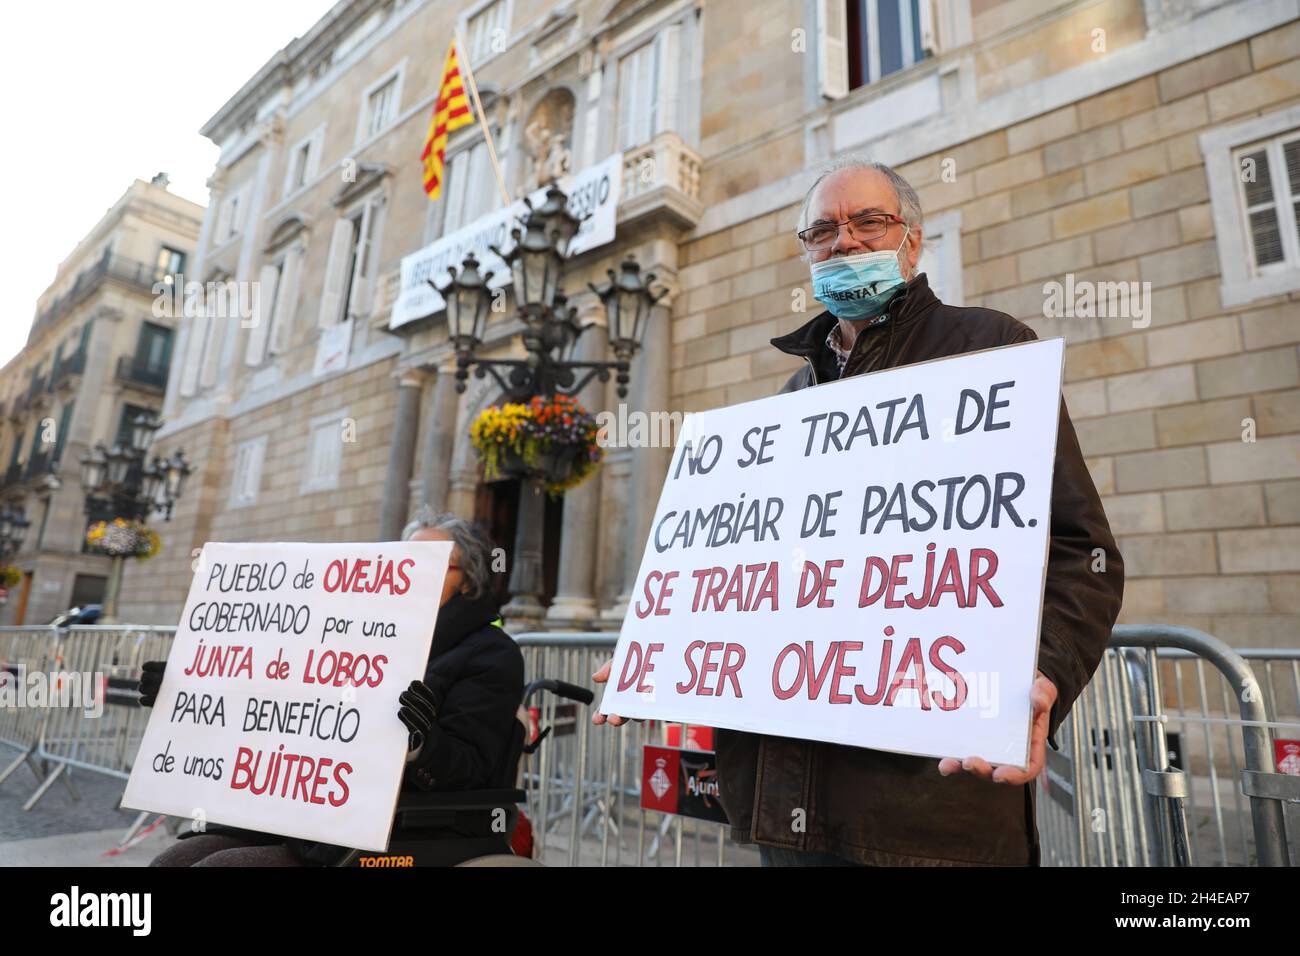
(45, 785)
(23, 758)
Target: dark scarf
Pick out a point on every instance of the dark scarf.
(460, 617)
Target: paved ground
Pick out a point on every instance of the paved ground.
(63, 831)
(57, 812)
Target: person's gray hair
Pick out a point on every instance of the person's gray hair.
(472, 544)
(909, 203)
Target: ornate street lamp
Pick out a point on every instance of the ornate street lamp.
(118, 481)
(550, 333)
(550, 325)
(13, 531)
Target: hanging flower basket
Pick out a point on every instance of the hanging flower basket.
(122, 538)
(550, 438)
(9, 576)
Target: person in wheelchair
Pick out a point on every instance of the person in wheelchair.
(465, 733)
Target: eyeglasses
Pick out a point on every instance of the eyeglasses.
(863, 228)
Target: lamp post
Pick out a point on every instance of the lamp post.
(118, 481)
(13, 531)
(550, 332)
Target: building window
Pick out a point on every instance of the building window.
(649, 89)
(884, 37)
(1270, 200)
(380, 105)
(65, 423)
(231, 214)
(350, 270)
(940, 258)
(488, 32)
(862, 41)
(126, 422)
(471, 187)
(324, 453)
(171, 262)
(1253, 171)
(304, 162)
(153, 350)
(247, 479)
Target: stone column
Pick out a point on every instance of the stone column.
(440, 440)
(649, 393)
(401, 458)
(574, 606)
(524, 612)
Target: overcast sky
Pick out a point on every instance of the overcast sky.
(97, 94)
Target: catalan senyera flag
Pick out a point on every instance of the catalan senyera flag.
(450, 112)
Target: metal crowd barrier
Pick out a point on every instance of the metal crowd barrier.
(584, 789)
(94, 668)
(23, 651)
(1167, 758)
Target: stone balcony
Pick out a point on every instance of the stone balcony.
(661, 178)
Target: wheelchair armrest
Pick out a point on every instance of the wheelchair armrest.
(459, 799)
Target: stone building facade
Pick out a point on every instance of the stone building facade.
(97, 355)
(1143, 149)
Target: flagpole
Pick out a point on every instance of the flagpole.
(482, 118)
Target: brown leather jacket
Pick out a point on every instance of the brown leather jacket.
(892, 809)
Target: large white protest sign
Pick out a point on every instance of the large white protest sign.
(278, 707)
(862, 562)
(593, 197)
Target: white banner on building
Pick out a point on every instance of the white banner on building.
(594, 190)
(861, 563)
(278, 708)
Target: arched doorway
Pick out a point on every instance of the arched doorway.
(496, 507)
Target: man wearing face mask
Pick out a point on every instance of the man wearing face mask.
(808, 803)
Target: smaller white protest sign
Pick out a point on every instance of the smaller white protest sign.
(278, 707)
(593, 197)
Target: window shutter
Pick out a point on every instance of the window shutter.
(223, 219)
(258, 335)
(198, 332)
(670, 79)
(216, 335)
(1291, 155)
(358, 298)
(832, 49)
(313, 157)
(336, 267)
(286, 302)
(929, 33)
(1261, 211)
(627, 81)
(456, 176)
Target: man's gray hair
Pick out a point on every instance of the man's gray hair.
(473, 545)
(909, 204)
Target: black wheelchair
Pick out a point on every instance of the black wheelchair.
(468, 827)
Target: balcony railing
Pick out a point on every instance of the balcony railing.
(35, 386)
(38, 464)
(141, 375)
(662, 177)
(66, 367)
(130, 271)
